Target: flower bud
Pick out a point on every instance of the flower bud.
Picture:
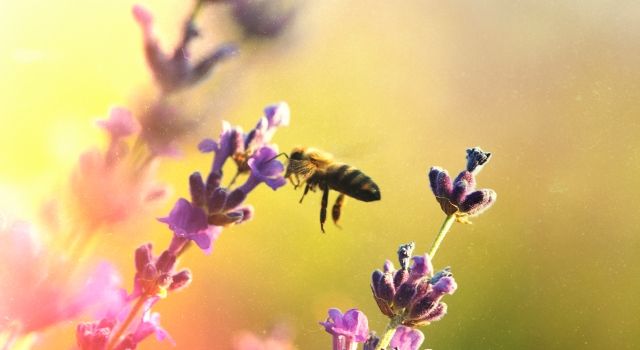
(166, 262)
(143, 256)
(197, 189)
(234, 199)
(476, 159)
(404, 295)
(400, 277)
(404, 254)
(180, 280)
(217, 200)
(385, 289)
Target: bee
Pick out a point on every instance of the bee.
(318, 169)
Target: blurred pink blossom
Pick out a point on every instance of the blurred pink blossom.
(46, 288)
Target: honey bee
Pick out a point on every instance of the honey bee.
(318, 169)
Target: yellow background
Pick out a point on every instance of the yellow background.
(392, 87)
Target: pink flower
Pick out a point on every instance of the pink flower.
(47, 289)
(347, 329)
(108, 187)
(406, 338)
(121, 123)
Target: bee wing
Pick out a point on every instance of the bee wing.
(303, 168)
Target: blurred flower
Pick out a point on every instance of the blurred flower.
(372, 342)
(151, 325)
(406, 338)
(348, 329)
(163, 126)
(155, 276)
(279, 339)
(412, 294)
(98, 335)
(94, 335)
(120, 123)
(109, 188)
(45, 287)
(459, 197)
(263, 18)
(177, 70)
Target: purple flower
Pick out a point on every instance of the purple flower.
(121, 123)
(264, 168)
(156, 276)
(231, 142)
(459, 197)
(176, 71)
(347, 329)
(190, 223)
(94, 335)
(262, 18)
(150, 324)
(406, 338)
(414, 292)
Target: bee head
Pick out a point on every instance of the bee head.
(297, 153)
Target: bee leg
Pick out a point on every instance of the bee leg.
(323, 206)
(337, 206)
(306, 189)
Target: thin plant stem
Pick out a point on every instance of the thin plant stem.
(446, 225)
(132, 314)
(389, 332)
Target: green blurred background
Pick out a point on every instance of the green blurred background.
(551, 88)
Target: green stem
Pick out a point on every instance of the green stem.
(446, 225)
(134, 311)
(388, 333)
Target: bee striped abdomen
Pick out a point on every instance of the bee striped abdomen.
(352, 182)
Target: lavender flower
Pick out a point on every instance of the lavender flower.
(189, 222)
(264, 169)
(459, 197)
(108, 187)
(121, 123)
(348, 329)
(94, 335)
(176, 71)
(149, 325)
(406, 338)
(262, 18)
(42, 287)
(241, 146)
(98, 335)
(412, 294)
(155, 276)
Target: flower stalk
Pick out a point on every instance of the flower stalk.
(444, 229)
(132, 314)
(389, 331)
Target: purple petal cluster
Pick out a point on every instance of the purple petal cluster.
(177, 70)
(412, 292)
(97, 335)
(212, 206)
(240, 146)
(459, 197)
(347, 329)
(156, 276)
